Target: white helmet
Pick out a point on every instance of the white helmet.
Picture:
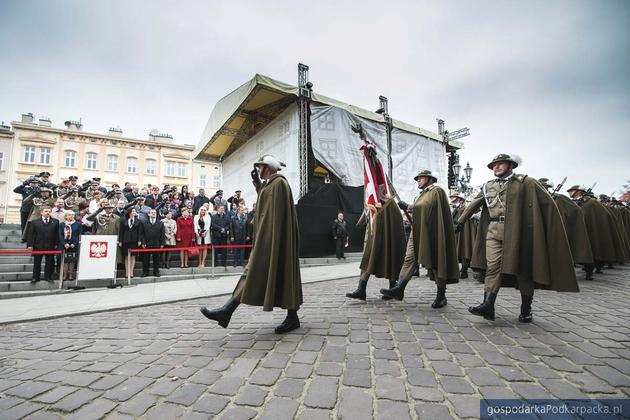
(271, 161)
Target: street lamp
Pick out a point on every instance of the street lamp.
(456, 168)
(468, 171)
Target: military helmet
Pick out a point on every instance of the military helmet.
(577, 188)
(503, 157)
(546, 182)
(271, 161)
(456, 194)
(33, 179)
(426, 173)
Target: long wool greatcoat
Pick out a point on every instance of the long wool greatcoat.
(620, 231)
(605, 242)
(384, 249)
(272, 276)
(434, 234)
(535, 245)
(465, 239)
(575, 227)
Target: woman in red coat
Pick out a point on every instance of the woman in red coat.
(185, 235)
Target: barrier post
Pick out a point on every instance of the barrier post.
(210, 249)
(63, 257)
(128, 271)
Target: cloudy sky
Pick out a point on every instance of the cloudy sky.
(549, 81)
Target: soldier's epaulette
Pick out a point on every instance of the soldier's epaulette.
(520, 177)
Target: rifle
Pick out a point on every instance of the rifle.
(587, 193)
(558, 187)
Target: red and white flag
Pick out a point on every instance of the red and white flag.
(374, 179)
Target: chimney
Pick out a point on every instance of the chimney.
(158, 137)
(74, 125)
(45, 122)
(5, 128)
(115, 131)
(28, 118)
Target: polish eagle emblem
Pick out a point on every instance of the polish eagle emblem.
(98, 249)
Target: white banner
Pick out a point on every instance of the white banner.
(97, 257)
(337, 147)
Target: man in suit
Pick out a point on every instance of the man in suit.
(43, 236)
(154, 198)
(220, 233)
(152, 237)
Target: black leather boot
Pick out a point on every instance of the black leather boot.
(588, 268)
(486, 309)
(392, 284)
(223, 314)
(526, 309)
(290, 323)
(360, 292)
(463, 274)
(440, 299)
(397, 292)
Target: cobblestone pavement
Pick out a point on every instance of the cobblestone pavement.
(349, 360)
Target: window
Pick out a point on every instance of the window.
(112, 163)
(70, 159)
(150, 167)
(326, 122)
(1, 160)
(44, 156)
(216, 181)
(90, 162)
(170, 168)
(29, 154)
(328, 148)
(132, 164)
(203, 180)
(181, 169)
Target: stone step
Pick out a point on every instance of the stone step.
(9, 226)
(14, 239)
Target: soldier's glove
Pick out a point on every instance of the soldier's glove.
(459, 227)
(403, 206)
(255, 177)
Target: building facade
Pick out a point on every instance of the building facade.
(6, 143)
(37, 146)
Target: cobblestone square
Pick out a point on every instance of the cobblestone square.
(350, 359)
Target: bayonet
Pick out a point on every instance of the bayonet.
(553, 194)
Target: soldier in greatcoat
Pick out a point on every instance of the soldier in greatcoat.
(526, 245)
(432, 240)
(272, 276)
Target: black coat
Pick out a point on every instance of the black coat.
(43, 236)
(127, 235)
(153, 234)
(198, 202)
(339, 229)
(152, 201)
(220, 222)
(25, 191)
(238, 229)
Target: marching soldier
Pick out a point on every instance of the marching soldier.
(432, 240)
(575, 227)
(520, 214)
(272, 276)
(40, 198)
(25, 189)
(72, 202)
(602, 231)
(465, 239)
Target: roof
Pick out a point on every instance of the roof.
(241, 114)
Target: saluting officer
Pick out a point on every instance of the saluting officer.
(25, 189)
(72, 202)
(105, 221)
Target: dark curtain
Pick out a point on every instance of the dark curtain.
(316, 212)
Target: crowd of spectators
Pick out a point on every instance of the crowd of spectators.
(150, 217)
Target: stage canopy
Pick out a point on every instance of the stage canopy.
(241, 114)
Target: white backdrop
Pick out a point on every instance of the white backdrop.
(338, 148)
(97, 257)
(279, 138)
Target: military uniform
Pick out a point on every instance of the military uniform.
(36, 211)
(519, 212)
(72, 203)
(25, 189)
(431, 243)
(104, 224)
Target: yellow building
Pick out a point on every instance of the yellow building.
(37, 147)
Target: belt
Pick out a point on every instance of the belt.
(500, 219)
